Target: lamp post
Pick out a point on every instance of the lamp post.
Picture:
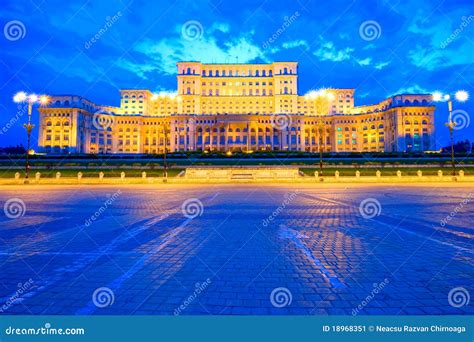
(323, 100)
(461, 96)
(165, 161)
(320, 143)
(30, 99)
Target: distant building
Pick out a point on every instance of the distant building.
(237, 107)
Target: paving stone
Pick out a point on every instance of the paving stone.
(317, 256)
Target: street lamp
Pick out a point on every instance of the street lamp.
(165, 162)
(461, 96)
(321, 128)
(31, 99)
(325, 97)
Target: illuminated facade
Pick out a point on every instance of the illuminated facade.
(245, 107)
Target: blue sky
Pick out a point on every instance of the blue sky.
(379, 48)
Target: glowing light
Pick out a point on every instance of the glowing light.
(228, 153)
(20, 97)
(164, 94)
(446, 97)
(462, 95)
(313, 94)
(32, 98)
(437, 96)
(44, 100)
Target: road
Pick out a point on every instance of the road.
(254, 249)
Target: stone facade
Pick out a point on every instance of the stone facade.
(229, 107)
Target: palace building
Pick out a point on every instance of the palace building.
(236, 107)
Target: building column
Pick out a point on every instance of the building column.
(272, 136)
(210, 137)
(248, 137)
(284, 140)
(302, 137)
(256, 138)
(226, 134)
(171, 136)
(192, 132)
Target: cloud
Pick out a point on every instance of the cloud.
(328, 52)
(446, 44)
(365, 61)
(432, 59)
(162, 55)
(222, 27)
(295, 43)
(139, 69)
(381, 65)
(414, 89)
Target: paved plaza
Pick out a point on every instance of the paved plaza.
(237, 249)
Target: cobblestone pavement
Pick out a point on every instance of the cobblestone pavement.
(237, 249)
